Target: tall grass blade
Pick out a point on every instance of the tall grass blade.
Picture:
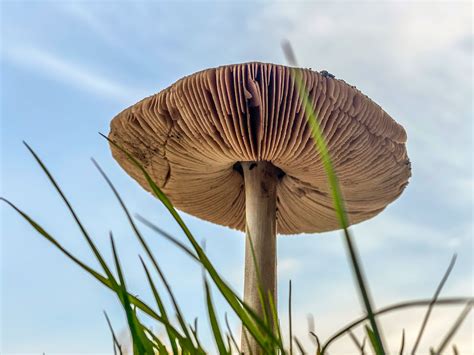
(455, 350)
(362, 347)
(264, 302)
(319, 350)
(290, 323)
(402, 346)
(194, 330)
(141, 344)
(147, 250)
(213, 320)
(455, 327)
(394, 307)
(251, 321)
(433, 302)
(172, 336)
(114, 338)
(336, 194)
(276, 322)
(102, 279)
(229, 330)
(156, 342)
(373, 340)
(167, 236)
(358, 344)
(74, 215)
(299, 346)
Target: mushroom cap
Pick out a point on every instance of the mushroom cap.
(191, 136)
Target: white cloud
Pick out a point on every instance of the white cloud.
(288, 266)
(58, 68)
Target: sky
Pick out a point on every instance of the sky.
(68, 67)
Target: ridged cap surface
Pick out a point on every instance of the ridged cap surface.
(190, 136)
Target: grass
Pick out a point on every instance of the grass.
(183, 338)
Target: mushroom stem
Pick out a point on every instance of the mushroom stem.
(260, 211)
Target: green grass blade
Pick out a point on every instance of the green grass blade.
(362, 346)
(318, 343)
(180, 245)
(253, 324)
(276, 323)
(194, 331)
(179, 314)
(213, 320)
(73, 213)
(167, 236)
(402, 346)
(261, 323)
(247, 342)
(373, 341)
(169, 330)
(147, 250)
(338, 201)
(433, 302)
(52, 240)
(455, 327)
(263, 301)
(229, 330)
(299, 346)
(102, 279)
(402, 305)
(157, 343)
(356, 341)
(229, 344)
(141, 344)
(455, 350)
(114, 338)
(290, 322)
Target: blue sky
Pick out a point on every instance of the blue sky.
(68, 67)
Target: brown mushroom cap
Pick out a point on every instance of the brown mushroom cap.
(191, 136)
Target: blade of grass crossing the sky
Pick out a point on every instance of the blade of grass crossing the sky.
(358, 344)
(102, 279)
(161, 307)
(110, 281)
(373, 340)
(167, 236)
(76, 218)
(336, 194)
(114, 338)
(248, 317)
(141, 344)
(194, 331)
(433, 302)
(263, 302)
(299, 346)
(276, 323)
(147, 250)
(229, 330)
(213, 320)
(398, 306)
(402, 346)
(454, 328)
(156, 341)
(318, 343)
(148, 223)
(290, 323)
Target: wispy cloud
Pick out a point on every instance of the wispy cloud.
(53, 66)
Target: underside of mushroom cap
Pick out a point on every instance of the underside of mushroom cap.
(191, 137)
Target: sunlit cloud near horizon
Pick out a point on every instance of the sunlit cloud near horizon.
(67, 68)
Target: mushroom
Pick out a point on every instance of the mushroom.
(232, 145)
